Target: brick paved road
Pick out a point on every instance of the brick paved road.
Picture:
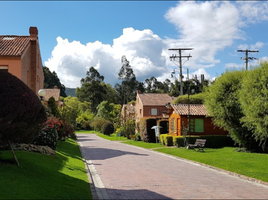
(121, 171)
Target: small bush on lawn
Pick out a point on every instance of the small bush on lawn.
(179, 140)
(162, 138)
(138, 137)
(108, 128)
(168, 140)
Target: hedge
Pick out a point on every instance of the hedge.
(213, 141)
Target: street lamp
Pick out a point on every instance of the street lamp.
(42, 93)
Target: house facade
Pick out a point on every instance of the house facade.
(194, 114)
(20, 56)
(149, 109)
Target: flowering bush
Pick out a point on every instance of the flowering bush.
(51, 131)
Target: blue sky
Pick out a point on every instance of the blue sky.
(74, 36)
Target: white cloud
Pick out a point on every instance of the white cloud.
(208, 27)
(258, 45)
(143, 49)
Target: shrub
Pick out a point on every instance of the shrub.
(98, 123)
(53, 107)
(108, 128)
(128, 128)
(21, 111)
(138, 137)
(168, 140)
(162, 138)
(193, 99)
(69, 130)
(48, 136)
(213, 141)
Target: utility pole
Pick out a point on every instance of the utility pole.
(246, 57)
(174, 56)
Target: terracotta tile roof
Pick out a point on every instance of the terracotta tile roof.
(195, 109)
(155, 99)
(12, 45)
(52, 93)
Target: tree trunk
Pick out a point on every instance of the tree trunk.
(13, 153)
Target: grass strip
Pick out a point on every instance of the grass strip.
(40, 176)
(112, 137)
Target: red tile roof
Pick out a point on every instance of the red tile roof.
(12, 45)
(155, 99)
(195, 109)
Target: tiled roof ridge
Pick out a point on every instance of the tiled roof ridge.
(13, 47)
(151, 99)
(195, 109)
(14, 36)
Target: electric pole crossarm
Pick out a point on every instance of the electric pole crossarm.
(246, 57)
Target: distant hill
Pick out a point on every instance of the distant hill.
(70, 92)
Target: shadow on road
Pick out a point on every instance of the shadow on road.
(95, 153)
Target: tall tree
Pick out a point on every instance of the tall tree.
(222, 102)
(129, 83)
(253, 99)
(51, 80)
(92, 89)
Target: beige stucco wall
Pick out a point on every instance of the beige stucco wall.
(21, 67)
(13, 64)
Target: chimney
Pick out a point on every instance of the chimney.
(33, 32)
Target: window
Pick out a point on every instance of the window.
(197, 125)
(3, 68)
(153, 111)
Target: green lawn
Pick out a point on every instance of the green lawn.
(40, 176)
(112, 137)
(249, 164)
(86, 131)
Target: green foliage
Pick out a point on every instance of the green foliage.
(222, 102)
(127, 90)
(21, 111)
(128, 128)
(254, 103)
(162, 138)
(212, 141)
(49, 133)
(62, 176)
(193, 99)
(98, 123)
(108, 111)
(138, 137)
(168, 140)
(92, 89)
(51, 79)
(53, 107)
(76, 113)
(108, 128)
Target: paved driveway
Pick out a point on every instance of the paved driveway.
(121, 171)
